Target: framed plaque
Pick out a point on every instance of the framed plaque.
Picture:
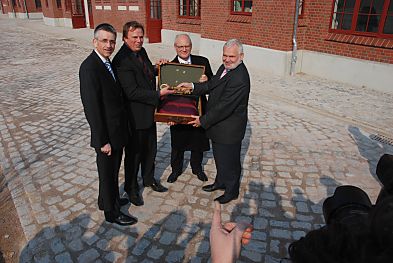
(178, 108)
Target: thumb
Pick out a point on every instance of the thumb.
(240, 228)
(216, 223)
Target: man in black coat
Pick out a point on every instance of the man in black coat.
(187, 137)
(105, 112)
(137, 79)
(225, 120)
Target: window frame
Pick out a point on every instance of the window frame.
(301, 8)
(352, 31)
(240, 12)
(188, 16)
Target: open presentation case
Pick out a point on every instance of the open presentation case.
(178, 108)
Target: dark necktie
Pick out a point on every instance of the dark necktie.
(146, 70)
(108, 66)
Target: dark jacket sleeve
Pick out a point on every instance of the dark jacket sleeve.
(92, 103)
(234, 93)
(130, 79)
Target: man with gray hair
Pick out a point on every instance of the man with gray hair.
(186, 137)
(225, 119)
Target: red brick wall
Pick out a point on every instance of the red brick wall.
(315, 36)
(271, 26)
(52, 11)
(171, 20)
(20, 6)
(119, 18)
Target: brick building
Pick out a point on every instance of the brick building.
(345, 40)
(25, 9)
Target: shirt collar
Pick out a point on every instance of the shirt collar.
(101, 57)
(182, 61)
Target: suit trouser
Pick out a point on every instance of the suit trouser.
(177, 159)
(227, 159)
(141, 151)
(108, 174)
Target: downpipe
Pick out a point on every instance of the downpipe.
(294, 41)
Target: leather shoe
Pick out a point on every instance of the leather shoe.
(123, 220)
(123, 201)
(157, 186)
(202, 176)
(211, 188)
(136, 199)
(173, 177)
(223, 199)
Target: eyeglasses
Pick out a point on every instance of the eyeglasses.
(183, 47)
(106, 41)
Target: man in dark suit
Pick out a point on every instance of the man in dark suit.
(225, 120)
(105, 112)
(187, 137)
(137, 79)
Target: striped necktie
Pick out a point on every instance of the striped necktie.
(108, 66)
(223, 73)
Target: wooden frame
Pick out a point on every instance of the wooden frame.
(174, 74)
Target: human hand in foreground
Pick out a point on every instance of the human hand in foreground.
(226, 240)
(196, 122)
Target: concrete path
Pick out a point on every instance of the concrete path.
(305, 137)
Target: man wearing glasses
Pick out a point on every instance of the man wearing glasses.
(104, 109)
(186, 137)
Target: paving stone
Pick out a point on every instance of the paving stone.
(305, 137)
(88, 256)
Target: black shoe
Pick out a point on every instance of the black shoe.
(123, 201)
(136, 199)
(201, 176)
(223, 199)
(157, 186)
(123, 220)
(173, 177)
(211, 188)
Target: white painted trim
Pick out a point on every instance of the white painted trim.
(122, 8)
(107, 7)
(98, 7)
(133, 8)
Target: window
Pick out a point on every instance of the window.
(190, 8)
(301, 8)
(243, 7)
(58, 4)
(363, 17)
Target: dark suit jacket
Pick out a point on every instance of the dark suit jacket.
(103, 104)
(139, 89)
(187, 137)
(225, 120)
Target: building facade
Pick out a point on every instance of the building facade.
(344, 40)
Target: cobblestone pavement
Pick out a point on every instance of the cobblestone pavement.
(305, 137)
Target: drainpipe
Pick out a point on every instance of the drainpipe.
(27, 12)
(294, 41)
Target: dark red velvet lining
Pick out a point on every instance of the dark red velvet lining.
(178, 105)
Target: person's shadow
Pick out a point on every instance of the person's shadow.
(369, 149)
